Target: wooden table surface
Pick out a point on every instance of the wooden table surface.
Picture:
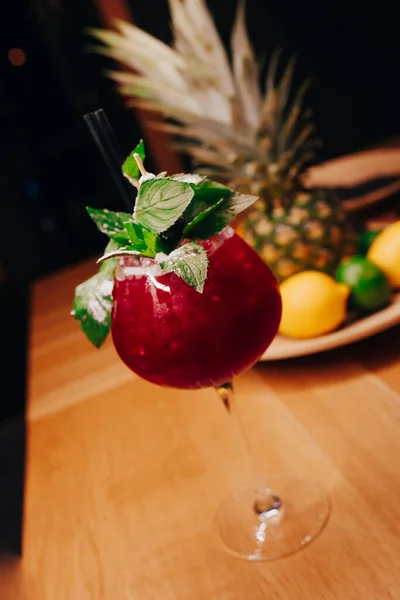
(123, 477)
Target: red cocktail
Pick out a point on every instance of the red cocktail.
(168, 333)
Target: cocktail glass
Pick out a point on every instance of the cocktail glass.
(169, 334)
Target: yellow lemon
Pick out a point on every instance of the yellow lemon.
(385, 253)
(312, 304)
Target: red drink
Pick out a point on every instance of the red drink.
(168, 333)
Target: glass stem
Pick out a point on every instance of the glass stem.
(266, 503)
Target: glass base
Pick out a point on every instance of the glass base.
(272, 523)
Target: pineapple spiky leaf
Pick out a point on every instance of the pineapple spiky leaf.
(197, 37)
(245, 70)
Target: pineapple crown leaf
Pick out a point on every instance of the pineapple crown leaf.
(196, 36)
(210, 100)
(245, 69)
(272, 70)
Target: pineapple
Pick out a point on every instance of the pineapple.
(258, 143)
(307, 231)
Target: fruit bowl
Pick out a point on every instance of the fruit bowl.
(282, 347)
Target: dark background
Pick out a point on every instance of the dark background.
(50, 168)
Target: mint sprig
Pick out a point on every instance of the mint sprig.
(160, 202)
(214, 206)
(207, 194)
(92, 303)
(142, 239)
(128, 235)
(190, 263)
(111, 223)
(217, 216)
(171, 214)
(130, 167)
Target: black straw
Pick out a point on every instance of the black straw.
(106, 140)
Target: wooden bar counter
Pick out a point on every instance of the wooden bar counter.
(123, 478)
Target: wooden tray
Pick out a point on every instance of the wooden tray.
(282, 347)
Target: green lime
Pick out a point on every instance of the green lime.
(365, 241)
(370, 289)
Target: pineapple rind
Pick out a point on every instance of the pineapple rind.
(310, 233)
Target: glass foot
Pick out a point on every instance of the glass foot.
(272, 523)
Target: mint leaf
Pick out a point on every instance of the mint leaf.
(239, 202)
(135, 233)
(190, 263)
(189, 178)
(130, 168)
(126, 234)
(213, 220)
(212, 225)
(153, 243)
(111, 223)
(143, 239)
(211, 190)
(92, 307)
(160, 202)
(123, 251)
(93, 302)
(207, 193)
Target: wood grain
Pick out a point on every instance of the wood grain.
(123, 477)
